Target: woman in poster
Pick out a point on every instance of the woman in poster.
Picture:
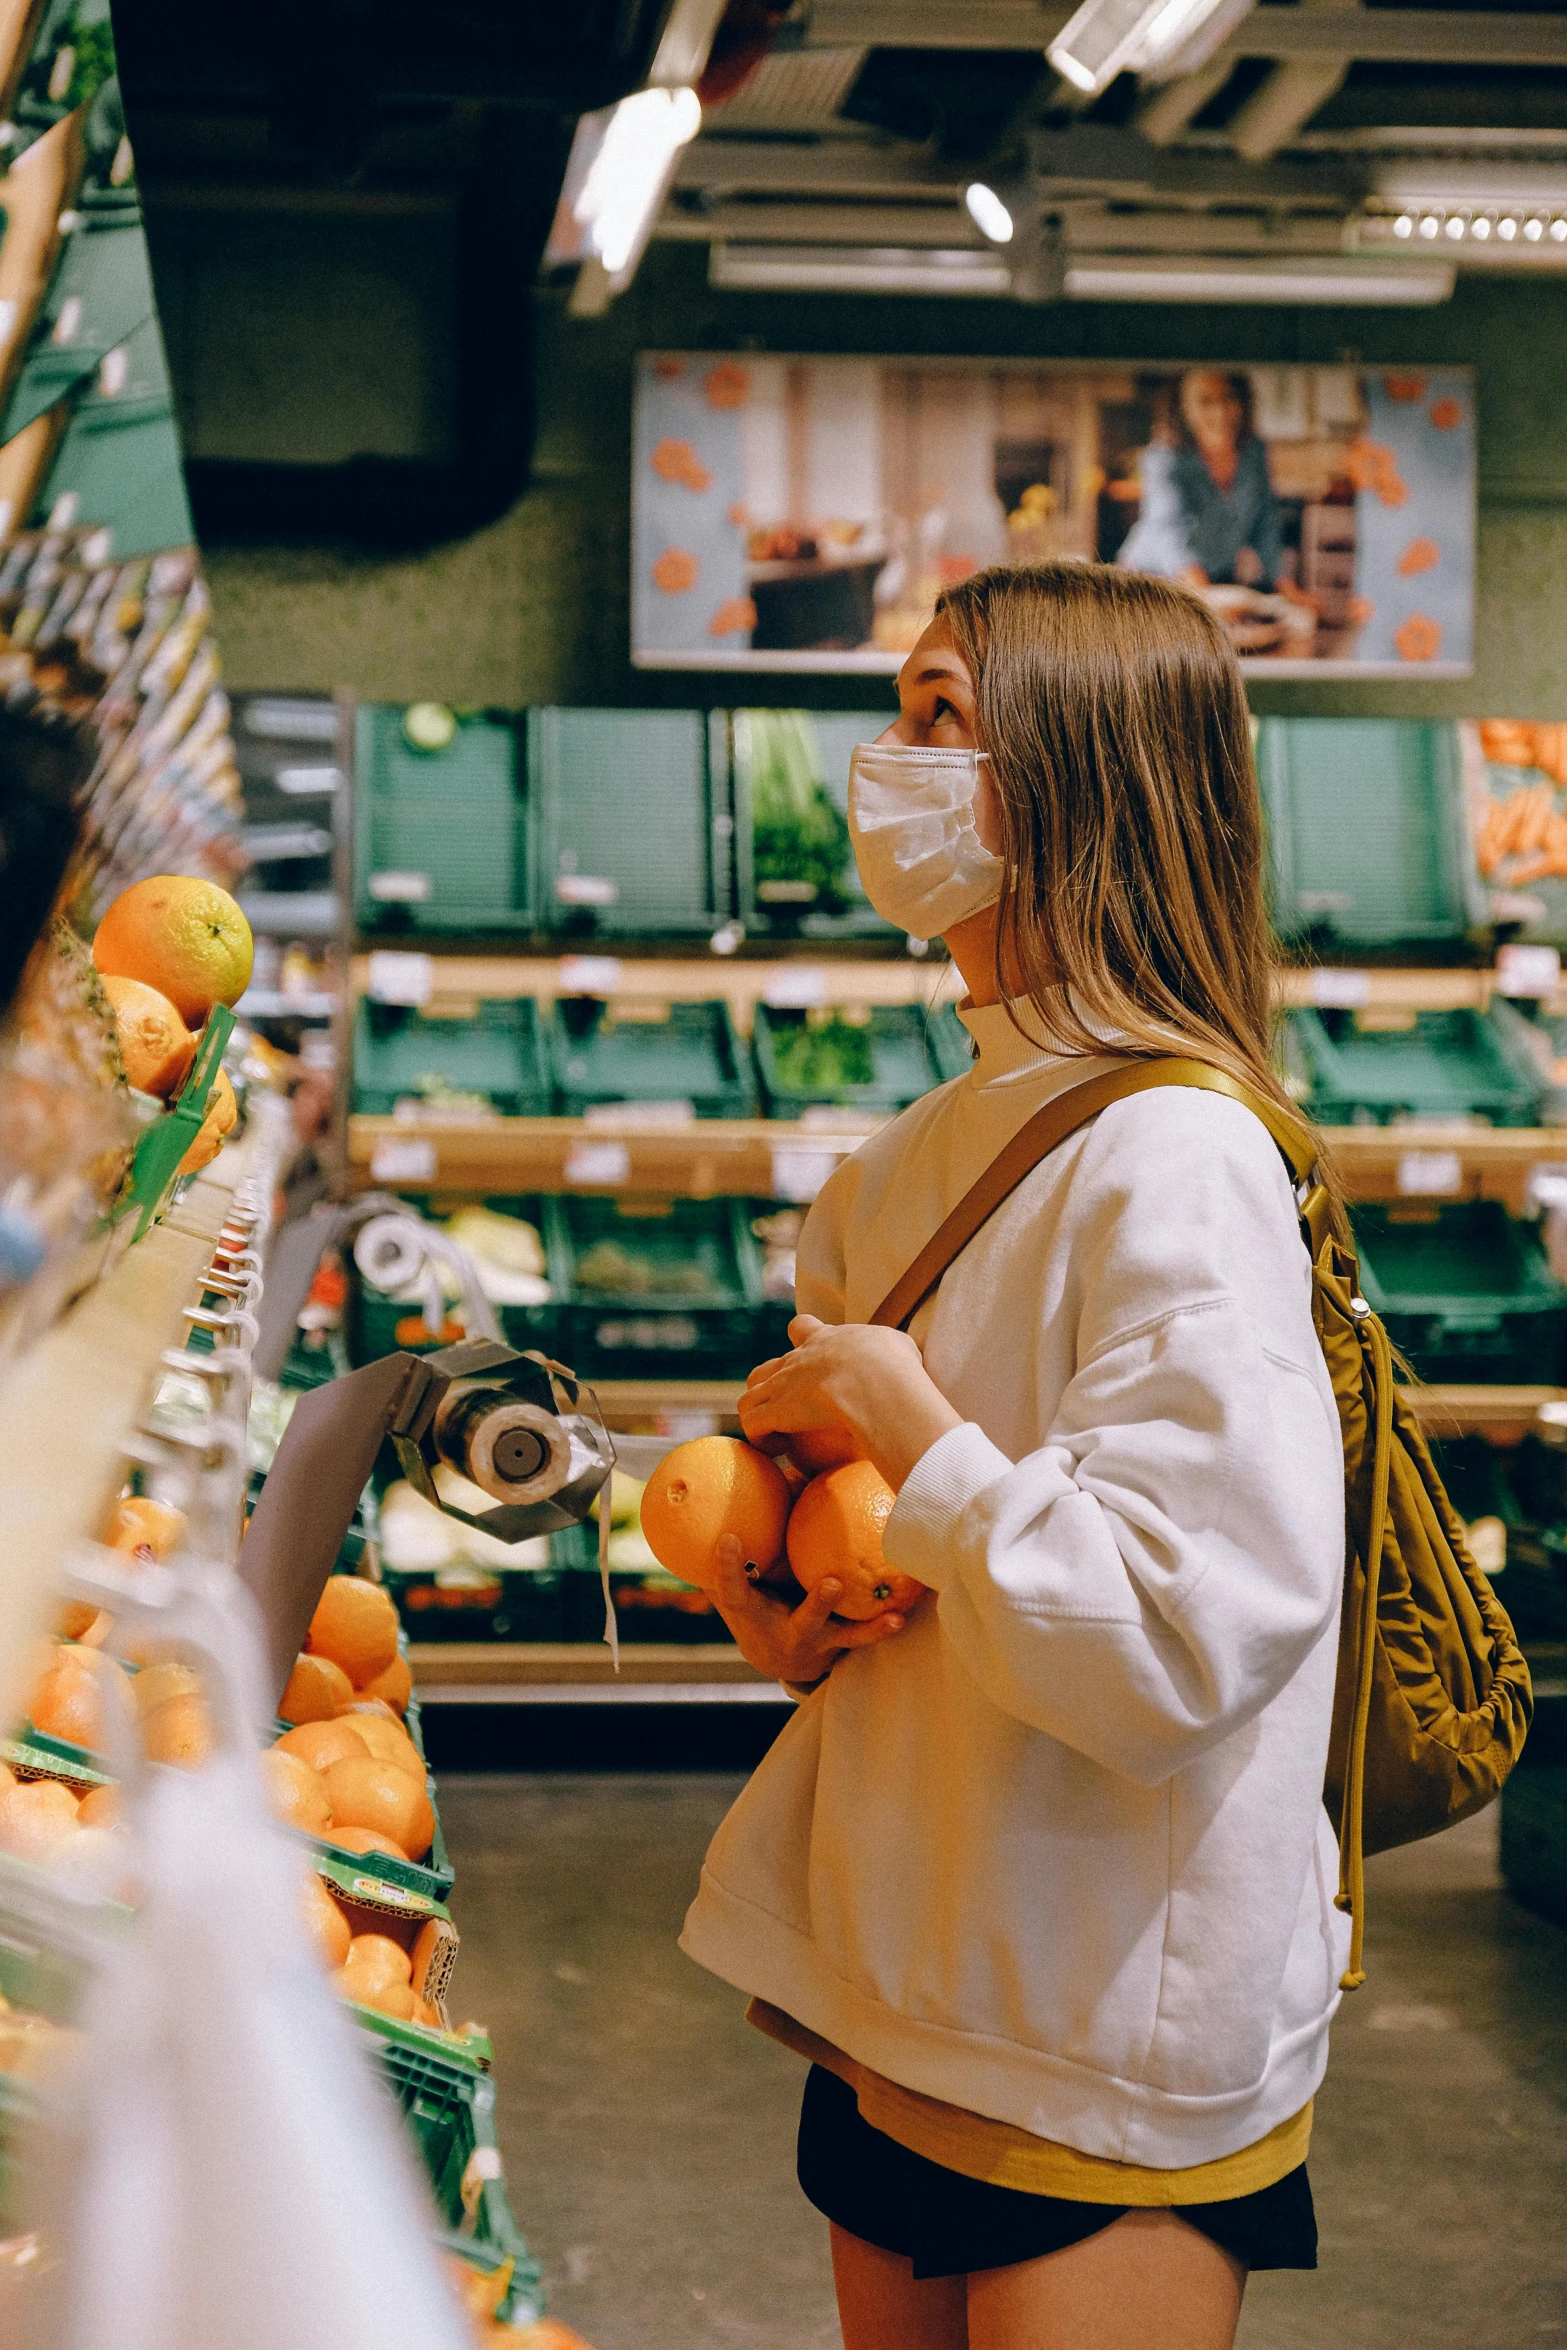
(1208, 515)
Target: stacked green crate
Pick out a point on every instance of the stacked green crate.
(1359, 1068)
(488, 1057)
(874, 1059)
(1465, 1291)
(440, 834)
(654, 1288)
(686, 1057)
(633, 834)
(450, 2110)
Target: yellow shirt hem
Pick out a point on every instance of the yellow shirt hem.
(1002, 2155)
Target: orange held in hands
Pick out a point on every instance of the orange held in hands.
(155, 1044)
(836, 1529)
(186, 938)
(713, 1486)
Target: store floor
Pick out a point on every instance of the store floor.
(648, 2133)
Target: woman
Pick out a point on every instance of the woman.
(1039, 1876)
(1208, 516)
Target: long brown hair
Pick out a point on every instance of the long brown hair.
(1120, 744)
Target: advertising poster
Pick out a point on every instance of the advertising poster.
(803, 514)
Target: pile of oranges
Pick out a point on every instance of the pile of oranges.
(372, 1968)
(347, 1769)
(812, 1511)
(167, 951)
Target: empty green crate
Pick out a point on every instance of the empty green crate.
(654, 1288)
(1465, 1291)
(451, 2112)
(1458, 1064)
(401, 1054)
(877, 1059)
(810, 896)
(440, 837)
(1367, 836)
(632, 823)
(689, 1054)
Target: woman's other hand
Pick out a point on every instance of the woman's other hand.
(796, 1644)
(851, 1375)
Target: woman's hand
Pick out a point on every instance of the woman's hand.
(798, 1644)
(851, 1375)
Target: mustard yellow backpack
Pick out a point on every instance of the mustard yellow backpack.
(1432, 1701)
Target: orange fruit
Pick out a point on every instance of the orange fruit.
(178, 1731)
(355, 1624)
(836, 1529)
(155, 1044)
(427, 2015)
(320, 1744)
(389, 1742)
(376, 1707)
(218, 1122)
(368, 1841)
(329, 1929)
(713, 1486)
(34, 1816)
(66, 1704)
(378, 1958)
(380, 1795)
(155, 1684)
(394, 1687)
(819, 1449)
(316, 1688)
(393, 1999)
(99, 1808)
(186, 937)
(297, 1793)
(144, 1529)
(426, 1944)
(78, 1616)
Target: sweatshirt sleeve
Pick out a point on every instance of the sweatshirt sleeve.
(1161, 1566)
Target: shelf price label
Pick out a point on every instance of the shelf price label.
(1430, 1174)
(598, 1163)
(795, 987)
(1343, 991)
(400, 978)
(798, 1175)
(587, 974)
(403, 1158)
(1528, 971)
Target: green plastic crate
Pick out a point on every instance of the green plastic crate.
(1458, 1064)
(1465, 1291)
(650, 1605)
(1367, 835)
(451, 2113)
(508, 1603)
(440, 837)
(433, 1876)
(654, 1288)
(1534, 1837)
(899, 1053)
(608, 1052)
(632, 824)
(495, 1051)
(764, 903)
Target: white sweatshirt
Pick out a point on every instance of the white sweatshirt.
(1057, 1853)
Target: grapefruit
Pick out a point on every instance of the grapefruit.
(713, 1486)
(155, 1044)
(836, 1529)
(355, 1624)
(155, 1684)
(379, 1795)
(378, 1959)
(99, 1808)
(316, 1688)
(185, 937)
(819, 1449)
(389, 1742)
(66, 1704)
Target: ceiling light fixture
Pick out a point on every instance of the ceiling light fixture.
(618, 173)
(1536, 232)
(857, 269)
(1107, 36)
(989, 215)
(1101, 278)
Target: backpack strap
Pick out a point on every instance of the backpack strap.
(1039, 1136)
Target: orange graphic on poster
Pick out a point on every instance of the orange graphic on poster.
(677, 461)
(1418, 639)
(728, 386)
(1371, 465)
(1445, 414)
(1359, 610)
(1419, 555)
(675, 571)
(736, 613)
(668, 369)
(1404, 387)
(738, 516)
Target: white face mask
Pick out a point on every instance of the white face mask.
(911, 818)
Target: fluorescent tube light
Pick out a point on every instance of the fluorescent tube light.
(858, 269)
(989, 215)
(1095, 278)
(617, 175)
(1106, 36)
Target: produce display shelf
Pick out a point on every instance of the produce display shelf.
(484, 1672)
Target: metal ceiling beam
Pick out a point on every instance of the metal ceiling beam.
(1372, 36)
(946, 225)
(835, 166)
(1087, 227)
(1098, 160)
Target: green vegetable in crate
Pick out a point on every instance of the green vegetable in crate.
(800, 839)
(610, 1269)
(824, 1055)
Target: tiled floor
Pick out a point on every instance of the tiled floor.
(649, 2133)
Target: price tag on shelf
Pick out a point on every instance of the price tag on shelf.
(1341, 990)
(400, 1158)
(799, 1174)
(587, 974)
(598, 1163)
(400, 978)
(644, 1117)
(1430, 1174)
(795, 987)
(1528, 971)
(400, 889)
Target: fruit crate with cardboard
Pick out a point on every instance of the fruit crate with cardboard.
(654, 1288)
(483, 1057)
(1378, 1066)
(632, 829)
(441, 836)
(450, 2111)
(430, 1877)
(870, 1058)
(685, 1060)
(1465, 1291)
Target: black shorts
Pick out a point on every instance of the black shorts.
(947, 2224)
